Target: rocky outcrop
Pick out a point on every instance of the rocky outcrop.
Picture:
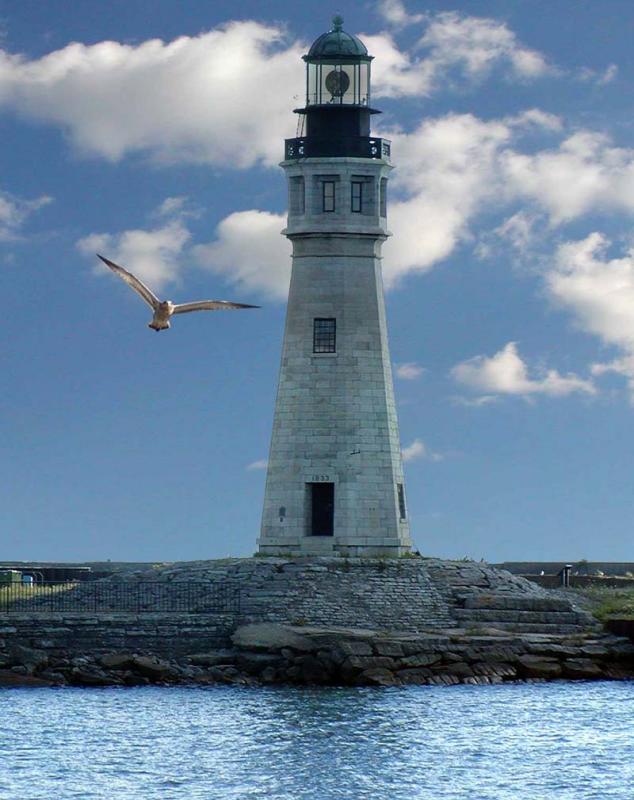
(267, 653)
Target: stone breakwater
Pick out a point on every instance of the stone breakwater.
(328, 621)
(268, 653)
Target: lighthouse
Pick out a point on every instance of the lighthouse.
(335, 482)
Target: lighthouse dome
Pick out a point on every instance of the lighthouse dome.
(337, 43)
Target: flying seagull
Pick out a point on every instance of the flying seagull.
(165, 309)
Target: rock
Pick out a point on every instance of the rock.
(55, 678)
(255, 663)
(132, 679)
(268, 675)
(415, 676)
(117, 661)
(581, 669)
(10, 678)
(355, 648)
(270, 636)
(494, 670)
(213, 658)
(387, 647)
(420, 660)
(153, 668)
(377, 677)
(532, 666)
(460, 670)
(313, 670)
(85, 676)
(28, 657)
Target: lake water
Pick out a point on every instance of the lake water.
(565, 741)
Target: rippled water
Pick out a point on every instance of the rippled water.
(516, 742)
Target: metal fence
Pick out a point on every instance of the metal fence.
(121, 596)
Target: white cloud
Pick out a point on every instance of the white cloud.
(14, 212)
(154, 255)
(395, 13)
(585, 173)
(204, 98)
(197, 99)
(257, 465)
(453, 45)
(599, 291)
(477, 44)
(447, 172)
(250, 252)
(599, 78)
(418, 450)
(507, 374)
(409, 371)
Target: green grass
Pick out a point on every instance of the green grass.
(610, 602)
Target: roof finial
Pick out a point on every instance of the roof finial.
(337, 21)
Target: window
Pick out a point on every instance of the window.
(383, 197)
(328, 195)
(324, 336)
(296, 200)
(357, 197)
(401, 501)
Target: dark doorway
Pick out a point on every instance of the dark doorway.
(322, 508)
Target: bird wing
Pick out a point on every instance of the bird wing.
(133, 282)
(209, 305)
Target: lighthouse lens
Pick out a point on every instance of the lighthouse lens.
(337, 83)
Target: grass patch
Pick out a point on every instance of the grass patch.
(610, 602)
(13, 592)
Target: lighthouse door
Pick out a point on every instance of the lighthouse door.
(322, 507)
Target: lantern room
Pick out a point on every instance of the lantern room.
(336, 118)
(337, 69)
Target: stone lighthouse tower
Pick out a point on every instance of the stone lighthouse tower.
(335, 476)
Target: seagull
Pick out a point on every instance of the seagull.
(165, 309)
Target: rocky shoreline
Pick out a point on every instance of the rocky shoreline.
(274, 654)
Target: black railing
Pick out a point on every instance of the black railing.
(121, 596)
(341, 146)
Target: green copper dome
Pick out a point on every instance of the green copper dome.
(337, 44)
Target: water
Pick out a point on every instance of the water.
(516, 742)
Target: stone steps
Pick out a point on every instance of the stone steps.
(519, 613)
(503, 602)
(494, 615)
(555, 629)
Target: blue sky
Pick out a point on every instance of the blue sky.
(151, 132)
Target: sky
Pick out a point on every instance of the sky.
(151, 131)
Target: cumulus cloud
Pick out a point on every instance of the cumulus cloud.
(395, 13)
(599, 291)
(447, 171)
(202, 98)
(505, 373)
(418, 450)
(154, 255)
(197, 99)
(452, 46)
(477, 44)
(250, 251)
(409, 371)
(14, 212)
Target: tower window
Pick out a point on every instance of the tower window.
(357, 197)
(296, 200)
(328, 195)
(325, 335)
(383, 197)
(401, 501)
